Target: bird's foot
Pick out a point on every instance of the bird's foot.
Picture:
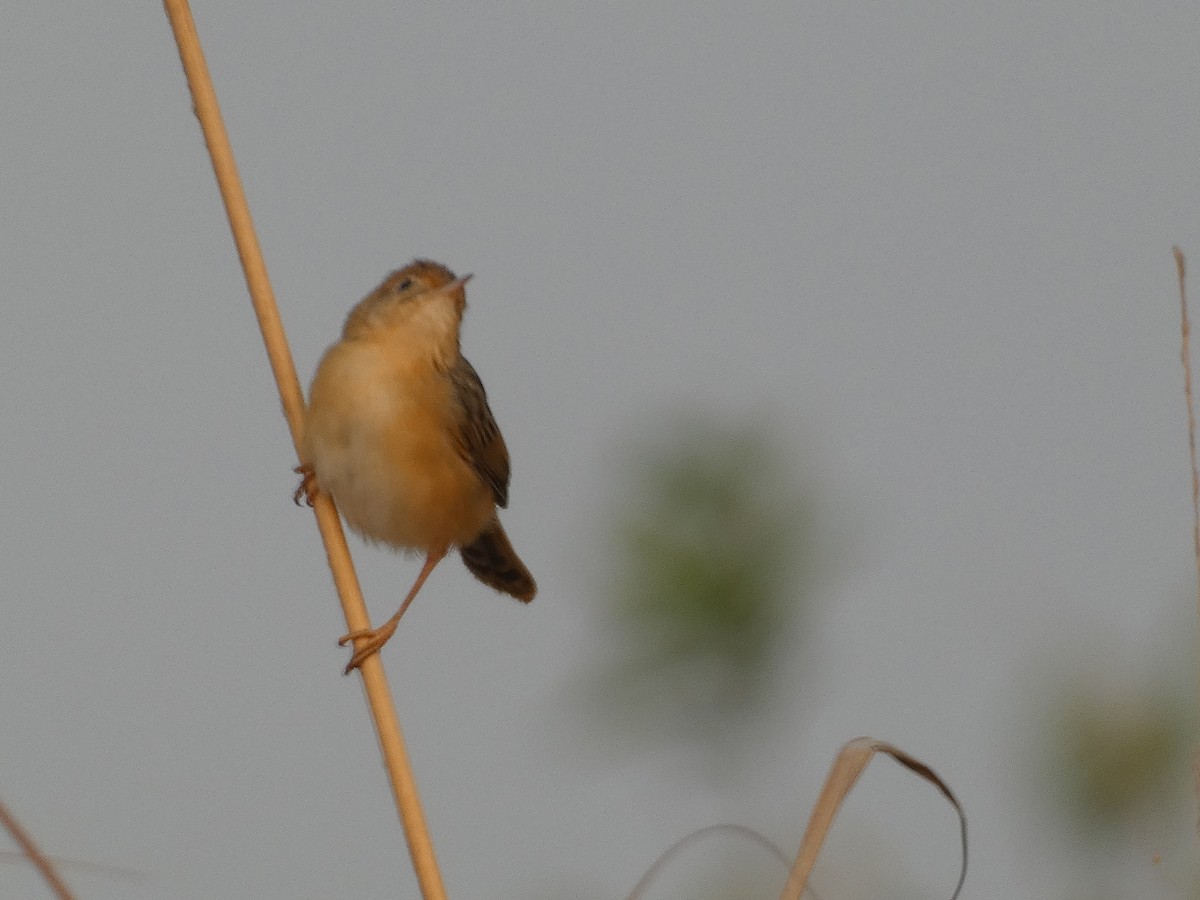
(308, 488)
(367, 642)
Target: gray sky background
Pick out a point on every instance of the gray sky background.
(930, 241)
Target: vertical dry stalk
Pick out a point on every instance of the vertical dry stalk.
(1185, 331)
(387, 725)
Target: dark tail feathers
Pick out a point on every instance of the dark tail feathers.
(492, 559)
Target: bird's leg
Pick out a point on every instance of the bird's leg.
(369, 641)
(308, 485)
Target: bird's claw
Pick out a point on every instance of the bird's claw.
(308, 488)
(372, 641)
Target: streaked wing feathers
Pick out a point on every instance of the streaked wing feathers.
(479, 440)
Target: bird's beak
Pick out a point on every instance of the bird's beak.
(451, 288)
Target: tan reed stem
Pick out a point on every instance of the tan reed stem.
(34, 855)
(387, 725)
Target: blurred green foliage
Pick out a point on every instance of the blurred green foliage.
(1114, 756)
(1118, 756)
(710, 562)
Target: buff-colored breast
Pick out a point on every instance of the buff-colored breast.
(380, 436)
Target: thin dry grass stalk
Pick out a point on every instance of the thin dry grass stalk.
(34, 855)
(1185, 353)
(387, 725)
(81, 865)
(687, 840)
(1185, 331)
(849, 765)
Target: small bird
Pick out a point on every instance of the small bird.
(398, 431)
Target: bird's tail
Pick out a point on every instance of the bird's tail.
(492, 559)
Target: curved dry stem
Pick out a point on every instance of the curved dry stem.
(692, 837)
(387, 725)
(852, 759)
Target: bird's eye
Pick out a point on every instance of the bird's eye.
(404, 285)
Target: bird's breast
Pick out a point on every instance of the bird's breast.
(381, 435)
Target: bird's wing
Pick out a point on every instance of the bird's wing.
(478, 436)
